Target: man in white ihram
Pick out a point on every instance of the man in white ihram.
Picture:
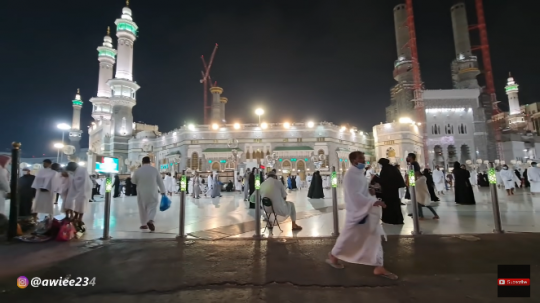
(148, 181)
(360, 239)
(533, 174)
(274, 190)
(438, 179)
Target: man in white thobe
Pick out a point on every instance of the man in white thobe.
(360, 239)
(508, 178)
(149, 185)
(308, 180)
(274, 190)
(299, 182)
(533, 174)
(78, 192)
(438, 179)
(46, 189)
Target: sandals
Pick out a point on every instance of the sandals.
(334, 265)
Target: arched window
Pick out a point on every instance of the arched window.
(248, 155)
(325, 161)
(194, 161)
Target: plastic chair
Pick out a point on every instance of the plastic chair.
(266, 202)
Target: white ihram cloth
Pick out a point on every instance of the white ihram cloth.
(474, 177)
(533, 174)
(48, 180)
(422, 192)
(238, 183)
(274, 190)
(360, 243)
(298, 182)
(79, 191)
(308, 179)
(438, 179)
(102, 187)
(149, 184)
(209, 185)
(508, 178)
(4, 188)
(190, 186)
(168, 182)
(196, 186)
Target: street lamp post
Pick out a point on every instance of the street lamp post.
(259, 112)
(64, 127)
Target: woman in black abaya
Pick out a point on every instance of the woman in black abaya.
(391, 181)
(462, 185)
(430, 185)
(315, 188)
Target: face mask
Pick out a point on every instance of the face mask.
(360, 166)
(505, 168)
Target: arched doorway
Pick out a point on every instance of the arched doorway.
(325, 160)
(438, 157)
(465, 154)
(216, 166)
(452, 155)
(301, 168)
(194, 165)
(286, 167)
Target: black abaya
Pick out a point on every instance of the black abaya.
(128, 186)
(391, 181)
(315, 188)
(462, 186)
(26, 195)
(116, 187)
(431, 186)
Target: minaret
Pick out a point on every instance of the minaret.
(512, 90)
(123, 88)
(106, 56)
(215, 111)
(402, 93)
(223, 101)
(516, 119)
(465, 65)
(75, 132)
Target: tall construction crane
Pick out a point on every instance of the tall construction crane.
(417, 80)
(488, 72)
(207, 81)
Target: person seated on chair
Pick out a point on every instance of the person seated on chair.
(272, 189)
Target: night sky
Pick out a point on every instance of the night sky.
(299, 60)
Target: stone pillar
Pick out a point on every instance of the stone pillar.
(215, 111)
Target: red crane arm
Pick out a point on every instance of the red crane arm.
(209, 63)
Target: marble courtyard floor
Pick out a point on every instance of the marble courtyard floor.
(230, 217)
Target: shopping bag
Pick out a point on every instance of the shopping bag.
(66, 233)
(165, 203)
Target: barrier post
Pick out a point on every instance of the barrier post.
(492, 177)
(182, 219)
(257, 234)
(334, 202)
(107, 210)
(412, 192)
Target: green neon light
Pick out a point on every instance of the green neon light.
(77, 102)
(412, 179)
(209, 161)
(223, 161)
(183, 182)
(107, 53)
(258, 181)
(334, 179)
(293, 159)
(280, 160)
(126, 27)
(492, 177)
(108, 185)
(511, 87)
